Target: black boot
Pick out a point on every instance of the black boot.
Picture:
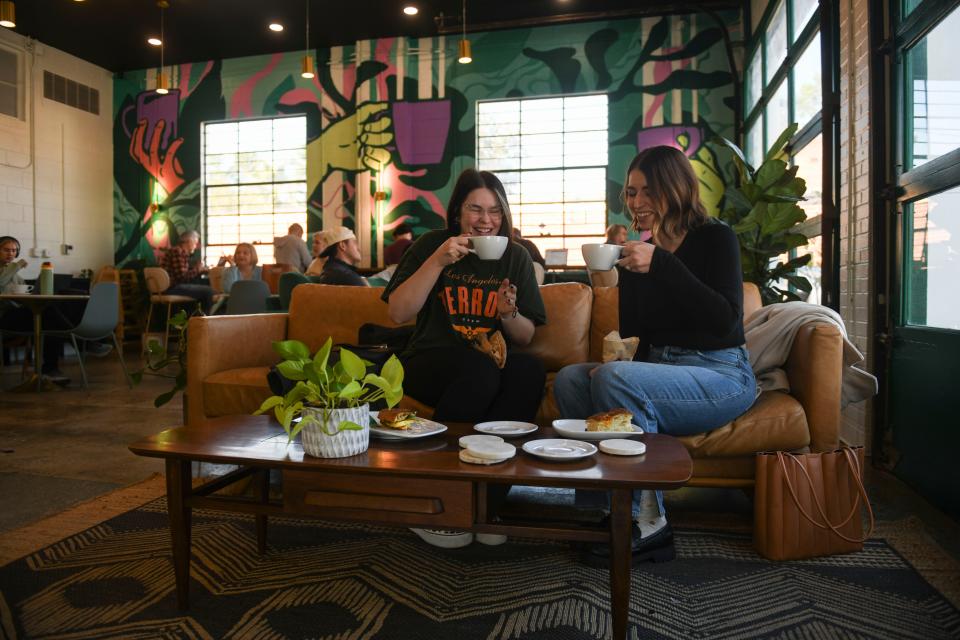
(655, 548)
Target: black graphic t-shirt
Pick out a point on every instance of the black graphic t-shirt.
(463, 302)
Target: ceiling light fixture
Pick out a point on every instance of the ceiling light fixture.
(411, 10)
(466, 57)
(162, 86)
(275, 26)
(8, 14)
(156, 42)
(306, 68)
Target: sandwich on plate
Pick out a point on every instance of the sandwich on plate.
(396, 418)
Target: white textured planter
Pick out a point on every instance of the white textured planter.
(318, 443)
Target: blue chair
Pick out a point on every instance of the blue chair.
(100, 319)
(248, 296)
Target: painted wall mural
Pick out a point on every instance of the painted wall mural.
(396, 117)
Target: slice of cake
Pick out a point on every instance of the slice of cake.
(613, 420)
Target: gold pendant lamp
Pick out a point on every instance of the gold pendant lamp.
(162, 85)
(465, 55)
(8, 14)
(306, 68)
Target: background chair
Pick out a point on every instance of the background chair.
(248, 296)
(215, 275)
(109, 273)
(270, 273)
(100, 319)
(158, 281)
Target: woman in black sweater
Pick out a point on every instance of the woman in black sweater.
(681, 293)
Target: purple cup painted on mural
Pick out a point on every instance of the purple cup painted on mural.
(670, 136)
(154, 108)
(421, 129)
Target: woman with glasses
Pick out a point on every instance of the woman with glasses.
(462, 304)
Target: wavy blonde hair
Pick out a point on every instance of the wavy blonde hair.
(673, 186)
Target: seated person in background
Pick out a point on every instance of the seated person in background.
(617, 234)
(316, 266)
(531, 248)
(14, 317)
(682, 294)
(343, 256)
(244, 266)
(183, 272)
(402, 239)
(291, 249)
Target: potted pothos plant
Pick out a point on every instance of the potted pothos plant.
(761, 207)
(332, 401)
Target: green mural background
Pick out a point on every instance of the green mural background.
(396, 116)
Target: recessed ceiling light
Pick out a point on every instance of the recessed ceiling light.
(154, 41)
(411, 10)
(276, 26)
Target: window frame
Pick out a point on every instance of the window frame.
(205, 186)
(605, 167)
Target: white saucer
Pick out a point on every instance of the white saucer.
(492, 451)
(475, 439)
(620, 447)
(578, 429)
(557, 449)
(506, 428)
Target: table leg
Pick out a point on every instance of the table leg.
(263, 494)
(178, 491)
(37, 346)
(620, 559)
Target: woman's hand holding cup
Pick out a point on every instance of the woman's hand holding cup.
(452, 250)
(637, 256)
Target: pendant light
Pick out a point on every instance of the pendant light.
(162, 86)
(8, 14)
(306, 68)
(466, 57)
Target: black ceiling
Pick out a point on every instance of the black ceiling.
(113, 33)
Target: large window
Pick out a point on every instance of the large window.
(551, 154)
(255, 183)
(783, 85)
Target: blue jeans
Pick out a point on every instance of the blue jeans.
(677, 391)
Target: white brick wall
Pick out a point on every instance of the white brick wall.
(855, 200)
(73, 166)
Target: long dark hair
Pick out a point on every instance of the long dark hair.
(472, 179)
(672, 182)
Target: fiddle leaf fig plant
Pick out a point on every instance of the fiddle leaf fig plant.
(761, 207)
(326, 387)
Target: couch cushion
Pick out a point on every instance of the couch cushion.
(604, 318)
(565, 338)
(319, 311)
(235, 391)
(776, 422)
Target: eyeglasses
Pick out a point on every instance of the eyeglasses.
(476, 211)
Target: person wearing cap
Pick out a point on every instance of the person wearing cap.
(343, 256)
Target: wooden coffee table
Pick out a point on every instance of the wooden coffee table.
(418, 483)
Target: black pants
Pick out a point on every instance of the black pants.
(465, 385)
(20, 319)
(200, 292)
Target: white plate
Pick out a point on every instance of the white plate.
(421, 428)
(506, 428)
(578, 429)
(621, 447)
(556, 449)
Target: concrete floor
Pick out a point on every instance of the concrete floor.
(67, 446)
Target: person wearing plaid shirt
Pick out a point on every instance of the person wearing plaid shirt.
(176, 262)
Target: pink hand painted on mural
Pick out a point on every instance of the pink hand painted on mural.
(166, 170)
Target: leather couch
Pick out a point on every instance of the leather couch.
(228, 358)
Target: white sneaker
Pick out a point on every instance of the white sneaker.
(490, 539)
(445, 538)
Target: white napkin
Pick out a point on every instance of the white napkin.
(617, 348)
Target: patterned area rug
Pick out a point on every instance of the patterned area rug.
(330, 580)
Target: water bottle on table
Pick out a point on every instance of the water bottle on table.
(46, 279)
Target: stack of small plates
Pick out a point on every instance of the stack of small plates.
(479, 449)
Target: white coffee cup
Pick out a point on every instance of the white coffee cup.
(18, 288)
(601, 257)
(488, 247)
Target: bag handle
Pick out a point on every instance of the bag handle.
(855, 471)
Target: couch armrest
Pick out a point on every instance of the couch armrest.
(220, 343)
(815, 368)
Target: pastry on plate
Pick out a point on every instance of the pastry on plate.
(396, 418)
(613, 420)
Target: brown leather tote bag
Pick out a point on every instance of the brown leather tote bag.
(808, 505)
